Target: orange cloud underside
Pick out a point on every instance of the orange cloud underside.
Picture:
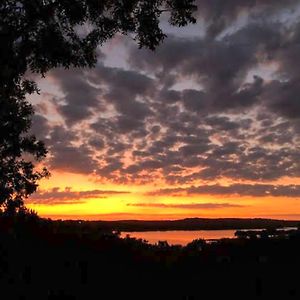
(127, 205)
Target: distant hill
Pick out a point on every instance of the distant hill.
(190, 224)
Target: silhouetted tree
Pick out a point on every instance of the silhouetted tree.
(18, 150)
(196, 245)
(241, 234)
(38, 35)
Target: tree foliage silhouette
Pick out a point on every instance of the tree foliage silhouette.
(38, 35)
(18, 177)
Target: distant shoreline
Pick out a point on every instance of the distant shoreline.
(190, 224)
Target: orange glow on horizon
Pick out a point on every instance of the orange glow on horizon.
(127, 205)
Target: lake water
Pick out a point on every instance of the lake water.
(183, 237)
(180, 237)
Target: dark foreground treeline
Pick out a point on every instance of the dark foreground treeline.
(40, 259)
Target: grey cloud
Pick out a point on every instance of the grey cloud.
(228, 126)
(124, 87)
(188, 205)
(220, 66)
(112, 165)
(40, 126)
(80, 99)
(97, 143)
(67, 156)
(72, 159)
(194, 100)
(220, 14)
(283, 97)
(55, 196)
(169, 96)
(256, 190)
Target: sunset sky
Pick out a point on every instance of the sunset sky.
(206, 126)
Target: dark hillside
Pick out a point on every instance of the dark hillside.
(192, 224)
(42, 259)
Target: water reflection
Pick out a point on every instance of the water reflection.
(180, 237)
(183, 237)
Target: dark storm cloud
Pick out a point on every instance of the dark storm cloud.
(113, 164)
(96, 142)
(231, 120)
(219, 14)
(40, 126)
(256, 190)
(194, 100)
(215, 60)
(169, 96)
(188, 205)
(220, 66)
(123, 89)
(283, 97)
(72, 159)
(67, 155)
(55, 196)
(80, 98)
(255, 163)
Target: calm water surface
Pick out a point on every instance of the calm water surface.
(183, 237)
(180, 237)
